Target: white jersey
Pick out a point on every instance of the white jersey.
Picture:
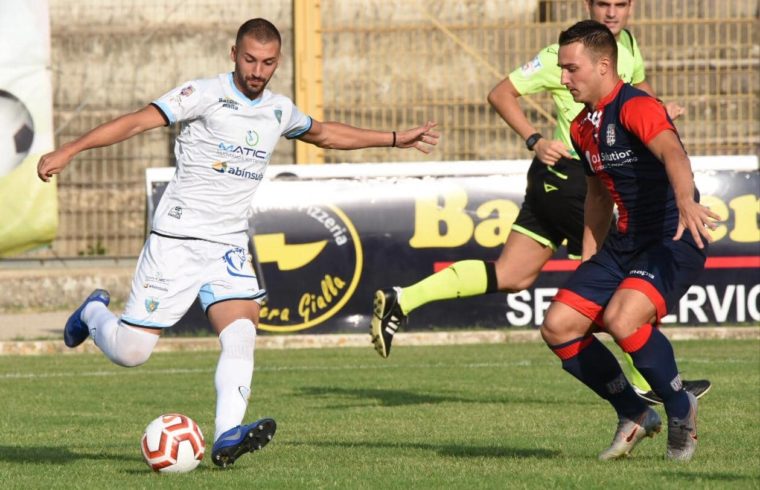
(223, 148)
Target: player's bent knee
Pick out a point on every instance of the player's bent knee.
(131, 358)
(134, 346)
(560, 326)
(552, 331)
(620, 327)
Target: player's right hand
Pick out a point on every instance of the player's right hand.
(550, 151)
(52, 163)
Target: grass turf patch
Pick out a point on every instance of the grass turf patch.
(482, 416)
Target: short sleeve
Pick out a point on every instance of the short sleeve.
(181, 103)
(539, 74)
(297, 125)
(645, 117)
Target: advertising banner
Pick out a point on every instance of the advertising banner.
(324, 245)
(28, 207)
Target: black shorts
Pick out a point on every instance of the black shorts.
(552, 210)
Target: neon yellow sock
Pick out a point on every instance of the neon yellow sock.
(459, 280)
(634, 375)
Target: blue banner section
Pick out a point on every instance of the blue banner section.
(324, 245)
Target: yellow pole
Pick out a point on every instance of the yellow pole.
(307, 68)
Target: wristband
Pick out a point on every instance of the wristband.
(532, 140)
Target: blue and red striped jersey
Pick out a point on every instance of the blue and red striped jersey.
(611, 141)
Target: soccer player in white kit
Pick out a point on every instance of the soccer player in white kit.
(230, 125)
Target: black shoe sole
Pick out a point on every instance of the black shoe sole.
(652, 399)
(376, 325)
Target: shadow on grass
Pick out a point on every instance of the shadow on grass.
(395, 398)
(390, 398)
(54, 455)
(696, 476)
(445, 450)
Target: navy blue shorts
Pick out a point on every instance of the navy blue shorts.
(663, 271)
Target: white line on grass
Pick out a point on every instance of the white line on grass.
(347, 367)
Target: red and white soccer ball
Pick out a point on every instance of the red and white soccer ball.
(173, 443)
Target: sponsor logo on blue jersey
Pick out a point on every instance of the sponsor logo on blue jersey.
(610, 159)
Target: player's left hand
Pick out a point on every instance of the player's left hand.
(422, 138)
(674, 110)
(698, 220)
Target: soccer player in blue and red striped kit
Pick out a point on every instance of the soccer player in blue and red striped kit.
(634, 273)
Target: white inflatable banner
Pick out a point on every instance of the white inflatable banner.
(28, 207)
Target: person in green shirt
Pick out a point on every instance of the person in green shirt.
(552, 210)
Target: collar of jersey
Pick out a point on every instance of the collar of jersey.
(240, 95)
(608, 98)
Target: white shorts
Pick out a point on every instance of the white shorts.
(172, 272)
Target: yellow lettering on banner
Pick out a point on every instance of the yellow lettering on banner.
(274, 314)
(444, 225)
(719, 207)
(311, 303)
(493, 232)
(746, 208)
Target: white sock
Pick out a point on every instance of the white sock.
(122, 344)
(233, 374)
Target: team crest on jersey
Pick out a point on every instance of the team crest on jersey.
(151, 305)
(531, 67)
(610, 134)
(251, 138)
(175, 212)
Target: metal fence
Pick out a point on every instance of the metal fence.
(387, 64)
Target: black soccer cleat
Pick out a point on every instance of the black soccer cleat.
(242, 439)
(697, 387)
(387, 318)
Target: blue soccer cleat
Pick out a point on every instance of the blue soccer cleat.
(76, 330)
(242, 439)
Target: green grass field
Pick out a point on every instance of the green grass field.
(486, 416)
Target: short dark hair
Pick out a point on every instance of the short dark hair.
(592, 2)
(261, 29)
(595, 36)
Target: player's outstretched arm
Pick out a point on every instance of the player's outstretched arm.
(693, 216)
(339, 136)
(106, 134)
(503, 98)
